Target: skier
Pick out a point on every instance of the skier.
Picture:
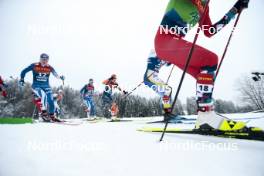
(41, 88)
(57, 97)
(107, 96)
(87, 93)
(171, 47)
(3, 87)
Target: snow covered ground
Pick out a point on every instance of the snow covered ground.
(117, 149)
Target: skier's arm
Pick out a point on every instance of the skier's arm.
(212, 29)
(82, 91)
(105, 82)
(55, 74)
(121, 90)
(25, 71)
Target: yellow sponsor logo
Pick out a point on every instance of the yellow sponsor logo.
(205, 79)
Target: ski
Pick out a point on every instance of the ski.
(252, 134)
(62, 122)
(184, 120)
(119, 120)
(94, 120)
(177, 119)
(67, 123)
(107, 120)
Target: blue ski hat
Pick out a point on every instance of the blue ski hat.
(91, 81)
(44, 56)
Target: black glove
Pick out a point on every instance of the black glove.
(62, 78)
(241, 5)
(125, 92)
(168, 64)
(21, 82)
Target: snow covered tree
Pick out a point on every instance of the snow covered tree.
(223, 106)
(252, 92)
(18, 102)
(191, 106)
(178, 108)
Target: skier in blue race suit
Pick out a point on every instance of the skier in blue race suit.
(41, 87)
(87, 93)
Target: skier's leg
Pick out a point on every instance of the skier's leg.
(92, 113)
(3, 91)
(104, 105)
(202, 67)
(152, 80)
(50, 100)
(107, 102)
(88, 107)
(57, 108)
(37, 102)
(176, 51)
(205, 104)
(51, 106)
(160, 87)
(85, 105)
(40, 100)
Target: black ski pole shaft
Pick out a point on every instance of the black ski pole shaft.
(34, 112)
(134, 89)
(228, 43)
(170, 74)
(186, 67)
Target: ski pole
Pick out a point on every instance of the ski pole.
(34, 112)
(134, 89)
(228, 43)
(186, 66)
(170, 74)
(143, 82)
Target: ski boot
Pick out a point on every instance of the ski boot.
(207, 118)
(44, 116)
(54, 118)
